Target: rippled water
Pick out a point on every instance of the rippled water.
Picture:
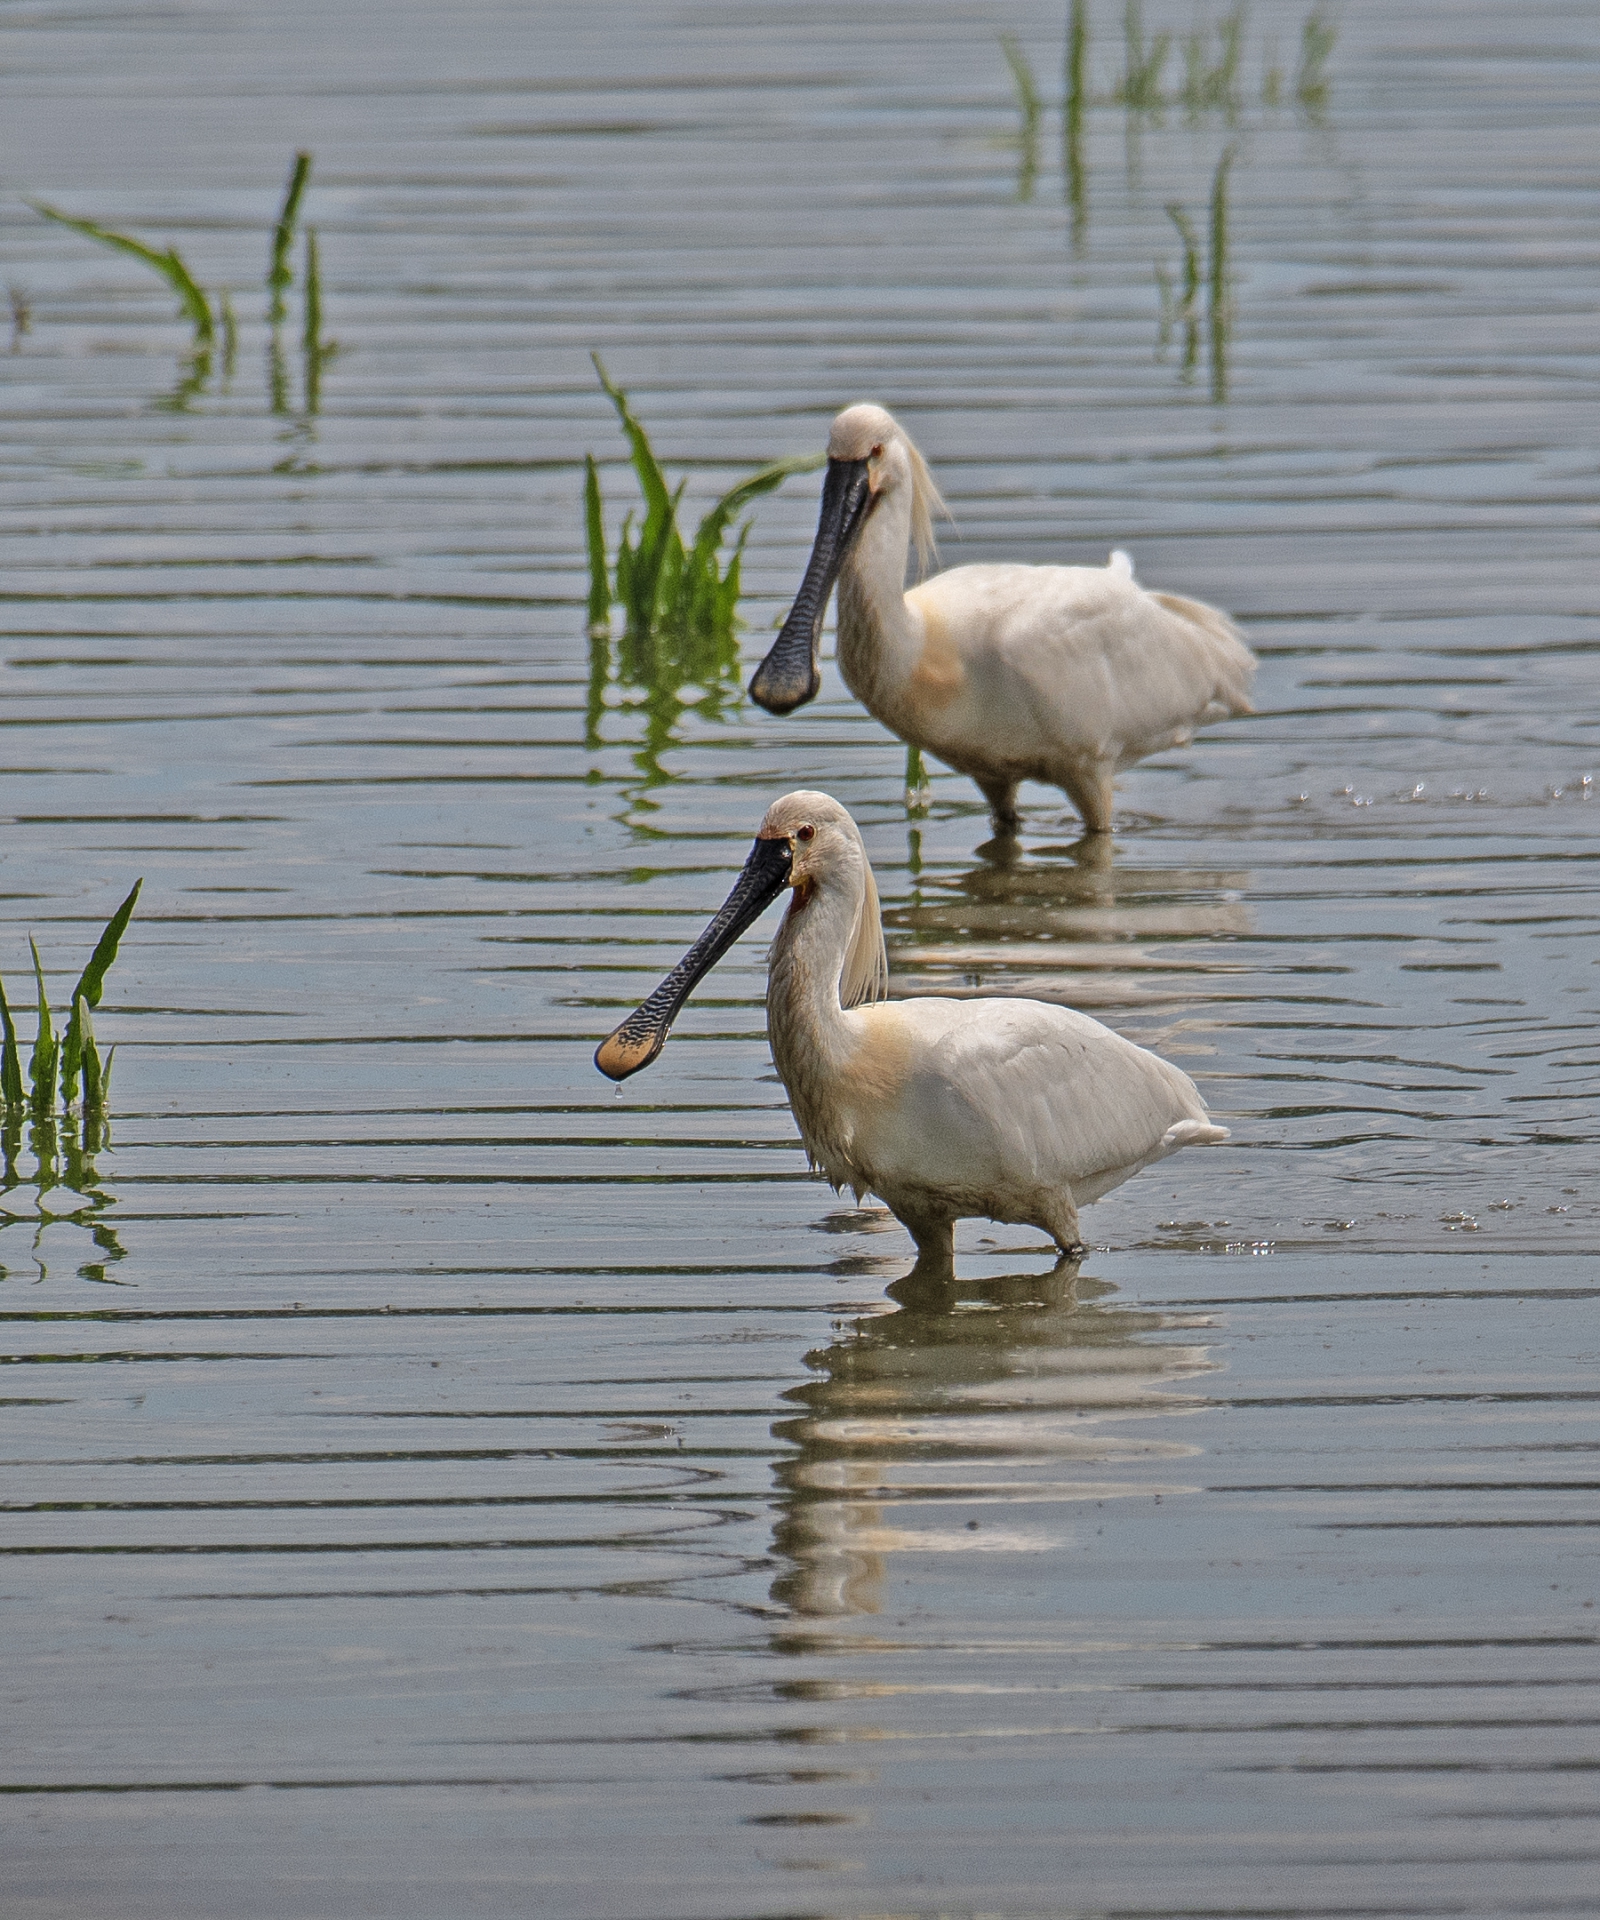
(436, 1483)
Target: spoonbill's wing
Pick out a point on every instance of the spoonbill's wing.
(1017, 1093)
(1094, 662)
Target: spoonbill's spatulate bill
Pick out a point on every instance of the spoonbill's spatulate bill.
(946, 1109)
(1006, 673)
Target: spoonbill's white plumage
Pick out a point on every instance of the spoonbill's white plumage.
(1006, 673)
(1011, 1110)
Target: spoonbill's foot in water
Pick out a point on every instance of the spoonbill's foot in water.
(1008, 1110)
(1002, 798)
(1006, 673)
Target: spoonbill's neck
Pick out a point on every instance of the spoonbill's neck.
(880, 634)
(806, 1021)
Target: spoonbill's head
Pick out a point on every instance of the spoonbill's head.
(809, 842)
(870, 460)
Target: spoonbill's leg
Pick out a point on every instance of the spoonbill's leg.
(1089, 789)
(1002, 798)
(1060, 1221)
(936, 1247)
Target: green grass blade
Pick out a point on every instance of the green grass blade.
(1191, 257)
(1221, 303)
(46, 1048)
(230, 332)
(311, 337)
(594, 529)
(10, 1058)
(917, 792)
(312, 334)
(1031, 107)
(1028, 102)
(92, 981)
(1225, 75)
(1074, 107)
(93, 1076)
(169, 265)
(657, 561)
(726, 595)
(1218, 275)
(1317, 38)
(708, 536)
(660, 546)
(280, 275)
(652, 481)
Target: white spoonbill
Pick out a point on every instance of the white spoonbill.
(1007, 673)
(946, 1109)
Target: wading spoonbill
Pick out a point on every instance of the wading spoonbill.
(1011, 1110)
(1006, 673)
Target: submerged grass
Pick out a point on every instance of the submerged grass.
(1317, 38)
(1211, 82)
(1031, 107)
(280, 274)
(60, 1062)
(1075, 102)
(918, 793)
(212, 317)
(1213, 60)
(1142, 66)
(1180, 298)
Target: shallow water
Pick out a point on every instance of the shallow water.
(438, 1483)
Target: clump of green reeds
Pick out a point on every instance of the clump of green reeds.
(679, 598)
(62, 1062)
(668, 589)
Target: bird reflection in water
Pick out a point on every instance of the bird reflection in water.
(1072, 924)
(962, 1422)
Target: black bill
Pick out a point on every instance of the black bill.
(643, 1034)
(788, 677)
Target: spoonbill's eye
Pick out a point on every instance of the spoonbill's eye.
(805, 833)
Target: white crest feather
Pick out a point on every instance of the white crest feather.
(925, 503)
(1120, 565)
(865, 973)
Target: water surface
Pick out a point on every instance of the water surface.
(436, 1482)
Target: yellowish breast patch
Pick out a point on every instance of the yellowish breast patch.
(939, 675)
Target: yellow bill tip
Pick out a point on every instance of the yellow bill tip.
(622, 1052)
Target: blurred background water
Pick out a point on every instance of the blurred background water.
(437, 1483)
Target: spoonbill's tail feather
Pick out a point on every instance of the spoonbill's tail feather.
(1192, 1133)
(1233, 661)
